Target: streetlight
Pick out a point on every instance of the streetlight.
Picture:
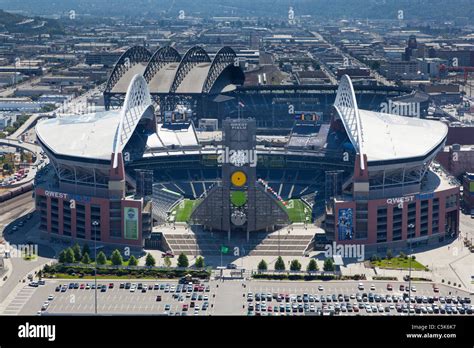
(95, 223)
(410, 227)
(279, 243)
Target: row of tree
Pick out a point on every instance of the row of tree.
(77, 255)
(295, 265)
(389, 256)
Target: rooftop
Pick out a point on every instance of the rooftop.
(87, 136)
(391, 137)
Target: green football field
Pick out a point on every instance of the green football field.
(184, 210)
(298, 211)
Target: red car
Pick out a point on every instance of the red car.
(111, 285)
(402, 287)
(389, 287)
(167, 254)
(82, 286)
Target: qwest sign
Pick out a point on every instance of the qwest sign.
(409, 199)
(67, 196)
(399, 200)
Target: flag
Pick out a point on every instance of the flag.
(224, 249)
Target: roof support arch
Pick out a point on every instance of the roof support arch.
(193, 56)
(137, 101)
(224, 57)
(346, 106)
(161, 57)
(134, 55)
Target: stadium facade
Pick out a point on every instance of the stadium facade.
(369, 177)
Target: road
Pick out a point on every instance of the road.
(10, 211)
(35, 149)
(14, 208)
(8, 92)
(380, 79)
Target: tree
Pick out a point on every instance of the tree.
(70, 256)
(167, 261)
(389, 254)
(86, 259)
(132, 261)
(116, 258)
(150, 260)
(199, 262)
(402, 255)
(183, 260)
(86, 249)
(77, 252)
(262, 265)
(328, 265)
(279, 264)
(312, 266)
(62, 257)
(101, 258)
(295, 265)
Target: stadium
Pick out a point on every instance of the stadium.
(329, 167)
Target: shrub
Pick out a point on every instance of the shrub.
(150, 260)
(183, 260)
(132, 261)
(62, 256)
(279, 264)
(295, 265)
(199, 262)
(312, 266)
(70, 256)
(116, 258)
(167, 261)
(86, 259)
(77, 252)
(329, 265)
(262, 265)
(101, 258)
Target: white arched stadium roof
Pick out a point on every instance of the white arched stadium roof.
(384, 137)
(97, 135)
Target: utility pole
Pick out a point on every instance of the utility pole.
(95, 223)
(411, 227)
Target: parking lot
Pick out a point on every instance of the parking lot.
(125, 297)
(235, 297)
(352, 298)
